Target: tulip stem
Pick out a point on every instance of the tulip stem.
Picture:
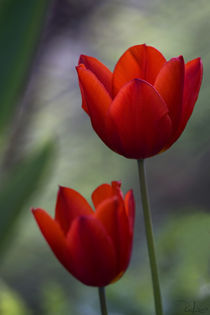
(150, 238)
(102, 298)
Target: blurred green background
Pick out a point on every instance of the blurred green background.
(46, 140)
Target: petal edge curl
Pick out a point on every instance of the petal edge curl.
(54, 236)
(97, 100)
(103, 74)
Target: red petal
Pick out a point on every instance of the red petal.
(84, 103)
(92, 252)
(97, 99)
(193, 79)
(170, 84)
(104, 192)
(113, 216)
(103, 74)
(141, 118)
(138, 62)
(70, 204)
(130, 208)
(54, 236)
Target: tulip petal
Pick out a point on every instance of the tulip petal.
(130, 208)
(103, 74)
(138, 62)
(193, 79)
(69, 205)
(97, 99)
(170, 85)
(105, 191)
(141, 119)
(84, 103)
(113, 216)
(54, 236)
(92, 252)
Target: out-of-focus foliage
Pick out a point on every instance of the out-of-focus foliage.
(20, 26)
(184, 256)
(19, 34)
(11, 303)
(55, 300)
(19, 184)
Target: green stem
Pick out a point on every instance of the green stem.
(102, 298)
(150, 238)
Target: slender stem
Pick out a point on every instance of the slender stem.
(102, 298)
(150, 238)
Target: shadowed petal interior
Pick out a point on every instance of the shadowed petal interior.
(170, 85)
(92, 250)
(141, 119)
(112, 215)
(192, 84)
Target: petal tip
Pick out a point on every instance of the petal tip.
(130, 195)
(81, 59)
(131, 192)
(181, 58)
(117, 183)
(200, 61)
(80, 67)
(61, 187)
(61, 190)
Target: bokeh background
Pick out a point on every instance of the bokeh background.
(46, 140)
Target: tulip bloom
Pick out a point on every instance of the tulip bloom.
(94, 246)
(142, 107)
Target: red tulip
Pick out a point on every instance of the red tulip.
(143, 106)
(94, 246)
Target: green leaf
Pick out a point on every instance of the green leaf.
(20, 26)
(18, 187)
